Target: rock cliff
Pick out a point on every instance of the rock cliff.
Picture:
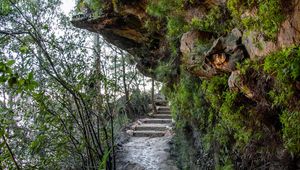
(231, 69)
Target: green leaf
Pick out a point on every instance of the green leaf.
(102, 165)
(10, 62)
(12, 81)
(2, 145)
(24, 49)
(2, 131)
(46, 27)
(3, 79)
(30, 76)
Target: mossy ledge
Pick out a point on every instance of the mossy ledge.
(231, 70)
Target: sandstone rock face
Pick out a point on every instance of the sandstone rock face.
(123, 26)
(289, 33)
(189, 40)
(256, 46)
(222, 57)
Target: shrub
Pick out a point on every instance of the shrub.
(291, 130)
(285, 66)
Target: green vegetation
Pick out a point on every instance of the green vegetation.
(94, 6)
(63, 98)
(291, 130)
(228, 120)
(254, 15)
(165, 8)
(210, 106)
(285, 66)
(214, 21)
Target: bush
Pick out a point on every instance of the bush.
(285, 66)
(291, 130)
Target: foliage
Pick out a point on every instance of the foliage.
(214, 21)
(175, 27)
(5, 8)
(285, 66)
(94, 6)
(262, 21)
(291, 130)
(165, 8)
(55, 85)
(14, 80)
(103, 162)
(170, 12)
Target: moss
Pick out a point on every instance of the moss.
(214, 21)
(260, 20)
(94, 6)
(165, 8)
(176, 27)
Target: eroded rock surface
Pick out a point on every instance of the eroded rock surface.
(123, 25)
(222, 56)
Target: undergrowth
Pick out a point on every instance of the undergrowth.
(285, 67)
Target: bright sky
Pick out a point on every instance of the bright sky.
(67, 6)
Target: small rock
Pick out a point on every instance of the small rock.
(130, 132)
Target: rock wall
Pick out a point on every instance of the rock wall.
(230, 67)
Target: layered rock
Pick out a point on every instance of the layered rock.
(123, 26)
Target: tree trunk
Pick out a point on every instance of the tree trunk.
(152, 96)
(128, 104)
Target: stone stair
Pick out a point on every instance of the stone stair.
(155, 126)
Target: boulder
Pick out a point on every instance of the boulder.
(256, 46)
(189, 39)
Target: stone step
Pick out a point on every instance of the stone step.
(148, 133)
(151, 127)
(162, 116)
(155, 121)
(164, 112)
(164, 108)
(161, 102)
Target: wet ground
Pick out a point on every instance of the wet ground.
(144, 153)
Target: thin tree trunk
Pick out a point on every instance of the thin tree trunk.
(152, 96)
(128, 104)
(11, 153)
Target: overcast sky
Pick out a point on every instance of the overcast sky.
(67, 5)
